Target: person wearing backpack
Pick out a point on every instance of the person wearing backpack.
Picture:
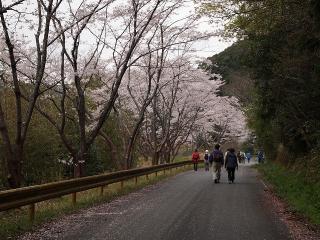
(216, 161)
(206, 160)
(195, 159)
(231, 164)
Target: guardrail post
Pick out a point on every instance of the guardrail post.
(156, 173)
(164, 171)
(121, 184)
(101, 190)
(147, 177)
(74, 198)
(32, 209)
(136, 180)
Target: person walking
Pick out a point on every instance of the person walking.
(206, 160)
(248, 156)
(260, 157)
(231, 164)
(195, 159)
(239, 156)
(216, 160)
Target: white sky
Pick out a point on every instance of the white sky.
(214, 45)
(202, 49)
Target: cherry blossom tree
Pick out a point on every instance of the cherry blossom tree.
(189, 105)
(122, 35)
(23, 62)
(145, 77)
(90, 59)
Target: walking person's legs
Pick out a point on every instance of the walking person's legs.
(212, 170)
(218, 172)
(229, 174)
(232, 174)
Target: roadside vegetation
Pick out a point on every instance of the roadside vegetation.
(302, 196)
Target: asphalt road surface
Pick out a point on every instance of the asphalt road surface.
(187, 206)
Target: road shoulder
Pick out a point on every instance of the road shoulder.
(299, 227)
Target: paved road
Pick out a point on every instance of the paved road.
(187, 206)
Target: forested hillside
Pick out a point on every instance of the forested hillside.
(278, 47)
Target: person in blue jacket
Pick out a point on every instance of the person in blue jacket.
(248, 156)
(231, 164)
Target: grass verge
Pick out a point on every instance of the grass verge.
(302, 196)
(16, 221)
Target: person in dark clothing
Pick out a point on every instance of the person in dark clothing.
(195, 159)
(216, 160)
(260, 157)
(231, 164)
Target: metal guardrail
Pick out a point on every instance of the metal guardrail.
(14, 198)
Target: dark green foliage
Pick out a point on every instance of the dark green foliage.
(286, 67)
(232, 59)
(281, 51)
(234, 64)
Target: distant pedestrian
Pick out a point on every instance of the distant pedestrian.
(242, 157)
(216, 160)
(239, 156)
(248, 156)
(231, 164)
(206, 160)
(195, 159)
(260, 156)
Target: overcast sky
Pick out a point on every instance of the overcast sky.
(213, 45)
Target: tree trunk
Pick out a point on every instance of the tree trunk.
(79, 162)
(14, 165)
(13, 155)
(155, 158)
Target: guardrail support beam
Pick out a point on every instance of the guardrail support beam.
(147, 177)
(122, 184)
(136, 180)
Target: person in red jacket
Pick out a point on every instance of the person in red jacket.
(195, 159)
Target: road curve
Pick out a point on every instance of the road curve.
(187, 206)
